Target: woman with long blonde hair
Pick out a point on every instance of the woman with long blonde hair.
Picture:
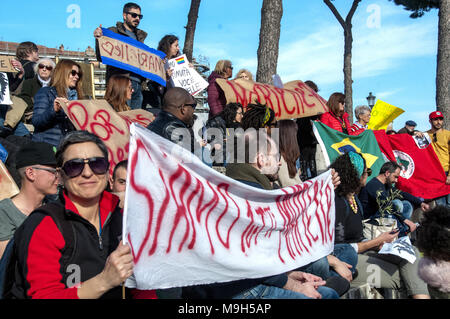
(49, 120)
(118, 92)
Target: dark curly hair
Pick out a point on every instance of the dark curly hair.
(350, 181)
(254, 116)
(229, 113)
(433, 234)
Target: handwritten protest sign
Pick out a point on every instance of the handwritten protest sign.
(99, 117)
(5, 63)
(186, 77)
(295, 100)
(131, 55)
(382, 114)
(8, 188)
(5, 97)
(188, 224)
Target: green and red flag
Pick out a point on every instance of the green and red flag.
(335, 143)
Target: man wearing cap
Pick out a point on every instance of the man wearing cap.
(440, 139)
(36, 165)
(408, 128)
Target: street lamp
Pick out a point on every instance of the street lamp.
(371, 100)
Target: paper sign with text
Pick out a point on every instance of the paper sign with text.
(5, 63)
(186, 77)
(188, 224)
(131, 55)
(382, 114)
(98, 117)
(295, 100)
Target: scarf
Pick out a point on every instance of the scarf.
(43, 82)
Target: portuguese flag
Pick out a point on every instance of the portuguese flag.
(335, 143)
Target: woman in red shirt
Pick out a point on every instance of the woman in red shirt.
(336, 118)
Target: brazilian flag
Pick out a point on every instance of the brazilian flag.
(335, 143)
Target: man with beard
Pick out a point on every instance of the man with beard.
(380, 197)
(440, 139)
(174, 122)
(129, 27)
(257, 157)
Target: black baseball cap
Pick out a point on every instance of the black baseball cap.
(35, 153)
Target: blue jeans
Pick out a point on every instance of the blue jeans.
(347, 254)
(320, 268)
(443, 201)
(404, 207)
(20, 129)
(136, 98)
(270, 292)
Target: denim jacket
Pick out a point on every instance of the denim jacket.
(50, 126)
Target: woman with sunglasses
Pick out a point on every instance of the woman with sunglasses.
(99, 262)
(44, 71)
(49, 120)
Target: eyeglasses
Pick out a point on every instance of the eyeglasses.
(135, 15)
(231, 67)
(193, 105)
(74, 167)
(48, 67)
(51, 170)
(73, 73)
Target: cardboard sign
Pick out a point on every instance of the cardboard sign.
(5, 97)
(113, 128)
(186, 77)
(5, 63)
(8, 187)
(295, 100)
(131, 55)
(382, 114)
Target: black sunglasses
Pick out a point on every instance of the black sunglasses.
(73, 72)
(48, 67)
(135, 15)
(434, 138)
(193, 105)
(74, 167)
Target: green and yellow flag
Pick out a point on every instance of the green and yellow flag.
(335, 143)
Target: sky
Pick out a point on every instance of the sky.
(393, 56)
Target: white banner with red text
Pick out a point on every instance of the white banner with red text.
(187, 224)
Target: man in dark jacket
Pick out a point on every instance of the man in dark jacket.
(131, 18)
(380, 197)
(291, 285)
(174, 122)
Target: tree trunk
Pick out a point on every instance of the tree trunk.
(348, 43)
(443, 63)
(190, 29)
(348, 81)
(269, 38)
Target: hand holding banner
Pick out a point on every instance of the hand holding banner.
(128, 54)
(186, 77)
(187, 224)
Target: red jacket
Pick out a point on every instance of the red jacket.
(337, 124)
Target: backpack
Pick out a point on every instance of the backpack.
(12, 282)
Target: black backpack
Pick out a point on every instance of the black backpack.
(12, 283)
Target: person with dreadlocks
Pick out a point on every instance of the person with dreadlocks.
(258, 116)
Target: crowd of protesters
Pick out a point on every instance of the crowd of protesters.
(48, 164)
